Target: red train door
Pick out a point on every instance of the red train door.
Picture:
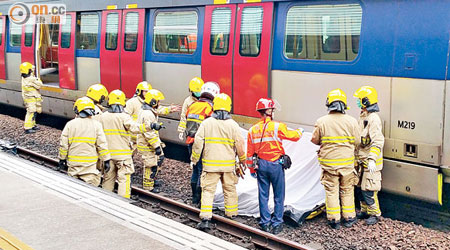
(122, 49)
(236, 52)
(66, 52)
(2, 48)
(28, 43)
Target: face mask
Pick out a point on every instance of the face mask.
(358, 102)
(197, 94)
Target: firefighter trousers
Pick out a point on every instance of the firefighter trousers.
(33, 105)
(339, 191)
(370, 185)
(121, 171)
(150, 171)
(209, 182)
(89, 174)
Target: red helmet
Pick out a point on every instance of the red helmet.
(265, 103)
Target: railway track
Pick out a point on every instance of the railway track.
(259, 238)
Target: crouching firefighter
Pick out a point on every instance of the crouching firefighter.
(369, 153)
(266, 156)
(149, 143)
(219, 141)
(31, 96)
(83, 142)
(337, 134)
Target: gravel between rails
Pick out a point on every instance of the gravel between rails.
(388, 234)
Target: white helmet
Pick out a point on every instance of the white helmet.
(210, 88)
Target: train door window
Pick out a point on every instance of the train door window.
(15, 34)
(112, 31)
(65, 32)
(131, 31)
(251, 29)
(87, 31)
(29, 35)
(328, 32)
(220, 31)
(175, 32)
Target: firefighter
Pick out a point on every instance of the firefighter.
(195, 114)
(31, 96)
(98, 94)
(83, 142)
(369, 153)
(266, 156)
(118, 127)
(149, 143)
(219, 141)
(195, 87)
(337, 134)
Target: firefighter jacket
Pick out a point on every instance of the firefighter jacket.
(195, 115)
(265, 140)
(218, 141)
(338, 135)
(149, 140)
(83, 142)
(118, 128)
(187, 102)
(30, 89)
(372, 139)
(133, 107)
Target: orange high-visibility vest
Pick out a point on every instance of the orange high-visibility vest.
(195, 115)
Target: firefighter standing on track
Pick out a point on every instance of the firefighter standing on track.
(264, 154)
(83, 142)
(31, 96)
(149, 143)
(118, 127)
(195, 115)
(337, 134)
(219, 141)
(98, 94)
(370, 153)
(195, 87)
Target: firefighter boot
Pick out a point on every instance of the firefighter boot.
(349, 222)
(372, 220)
(334, 224)
(204, 225)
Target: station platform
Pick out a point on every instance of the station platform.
(44, 209)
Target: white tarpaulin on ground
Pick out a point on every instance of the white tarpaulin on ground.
(303, 188)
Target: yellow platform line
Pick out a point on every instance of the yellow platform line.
(9, 242)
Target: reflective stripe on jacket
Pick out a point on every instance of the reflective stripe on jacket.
(187, 102)
(148, 140)
(30, 89)
(372, 138)
(195, 115)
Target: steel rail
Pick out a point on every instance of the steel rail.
(259, 238)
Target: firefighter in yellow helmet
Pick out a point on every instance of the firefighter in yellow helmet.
(369, 153)
(82, 143)
(195, 87)
(338, 135)
(118, 127)
(219, 141)
(98, 94)
(31, 96)
(149, 143)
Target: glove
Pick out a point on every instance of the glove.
(157, 126)
(107, 166)
(181, 136)
(191, 165)
(158, 150)
(175, 108)
(254, 175)
(301, 130)
(372, 166)
(62, 165)
(160, 160)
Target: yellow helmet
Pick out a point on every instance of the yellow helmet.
(195, 85)
(222, 102)
(143, 86)
(367, 95)
(97, 92)
(116, 97)
(83, 103)
(25, 67)
(153, 96)
(336, 95)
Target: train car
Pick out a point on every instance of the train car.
(292, 51)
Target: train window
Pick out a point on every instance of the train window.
(323, 32)
(15, 34)
(175, 32)
(112, 31)
(87, 31)
(29, 35)
(251, 29)
(131, 31)
(220, 31)
(65, 32)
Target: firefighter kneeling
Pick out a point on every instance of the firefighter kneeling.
(219, 139)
